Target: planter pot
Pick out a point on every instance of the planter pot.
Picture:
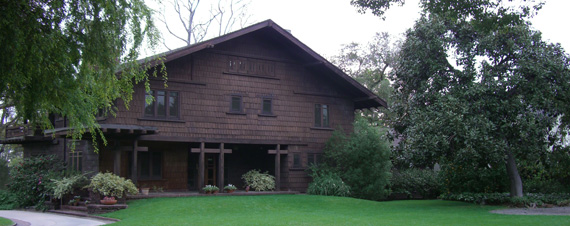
(109, 202)
(144, 191)
(209, 192)
(247, 189)
(215, 192)
(230, 191)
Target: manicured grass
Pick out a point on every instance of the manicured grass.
(315, 210)
(5, 222)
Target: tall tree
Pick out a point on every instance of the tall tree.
(370, 65)
(476, 87)
(71, 57)
(198, 20)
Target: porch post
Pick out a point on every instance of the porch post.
(134, 170)
(278, 168)
(221, 167)
(201, 168)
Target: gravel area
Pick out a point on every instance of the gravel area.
(535, 211)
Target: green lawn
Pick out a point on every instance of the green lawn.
(315, 210)
(5, 222)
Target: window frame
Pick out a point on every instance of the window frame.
(241, 107)
(320, 123)
(75, 161)
(150, 163)
(167, 111)
(314, 158)
(263, 112)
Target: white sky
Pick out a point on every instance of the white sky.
(325, 25)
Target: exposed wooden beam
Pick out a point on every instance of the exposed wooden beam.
(211, 150)
(281, 152)
(201, 166)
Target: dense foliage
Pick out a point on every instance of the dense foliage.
(259, 181)
(327, 183)
(478, 90)
(8, 201)
(4, 174)
(31, 180)
(68, 184)
(362, 160)
(62, 57)
(412, 181)
(109, 184)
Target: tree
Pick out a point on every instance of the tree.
(72, 58)
(196, 22)
(369, 65)
(492, 107)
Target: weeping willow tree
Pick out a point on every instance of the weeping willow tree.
(72, 58)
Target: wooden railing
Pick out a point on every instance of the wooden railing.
(19, 131)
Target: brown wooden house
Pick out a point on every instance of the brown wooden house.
(256, 98)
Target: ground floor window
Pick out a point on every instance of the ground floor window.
(149, 165)
(75, 161)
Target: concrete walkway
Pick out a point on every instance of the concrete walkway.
(34, 218)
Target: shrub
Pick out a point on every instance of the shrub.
(4, 173)
(259, 181)
(530, 199)
(465, 176)
(410, 181)
(109, 184)
(327, 183)
(31, 180)
(7, 200)
(67, 184)
(362, 160)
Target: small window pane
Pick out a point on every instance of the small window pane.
(173, 104)
(325, 116)
(160, 103)
(296, 161)
(236, 104)
(149, 108)
(267, 106)
(317, 115)
(156, 164)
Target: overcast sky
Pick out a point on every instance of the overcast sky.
(324, 25)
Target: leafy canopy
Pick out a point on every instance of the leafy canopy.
(476, 85)
(72, 57)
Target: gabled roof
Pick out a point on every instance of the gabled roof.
(364, 97)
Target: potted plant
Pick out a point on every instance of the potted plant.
(145, 189)
(209, 189)
(111, 186)
(230, 188)
(108, 200)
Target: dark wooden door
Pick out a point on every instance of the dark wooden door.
(210, 170)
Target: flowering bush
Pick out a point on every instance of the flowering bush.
(210, 188)
(30, 180)
(230, 187)
(327, 183)
(109, 184)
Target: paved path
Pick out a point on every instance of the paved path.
(47, 219)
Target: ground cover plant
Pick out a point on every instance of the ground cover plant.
(5, 222)
(315, 210)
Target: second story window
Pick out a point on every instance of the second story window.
(267, 106)
(165, 104)
(236, 104)
(321, 115)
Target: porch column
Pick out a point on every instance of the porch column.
(135, 161)
(278, 168)
(221, 167)
(201, 167)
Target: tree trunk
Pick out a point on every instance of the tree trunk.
(514, 176)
